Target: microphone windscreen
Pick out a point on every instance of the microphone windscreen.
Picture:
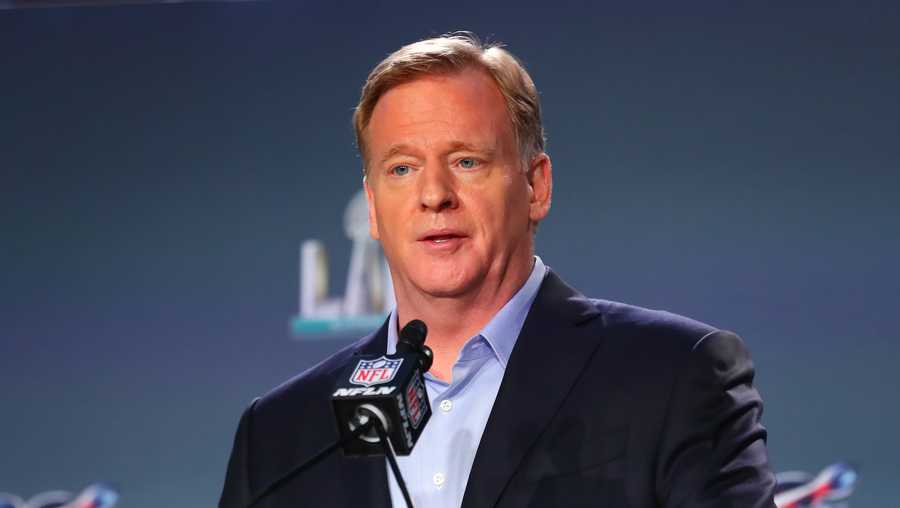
(414, 333)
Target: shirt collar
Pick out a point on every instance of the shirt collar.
(503, 329)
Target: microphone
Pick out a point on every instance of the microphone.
(387, 391)
(412, 341)
(377, 400)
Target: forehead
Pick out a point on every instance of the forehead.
(437, 110)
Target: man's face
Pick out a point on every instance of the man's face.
(448, 196)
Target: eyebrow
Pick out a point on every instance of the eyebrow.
(459, 146)
(456, 146)
(395, 150)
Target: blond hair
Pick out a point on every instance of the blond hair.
(452, 53)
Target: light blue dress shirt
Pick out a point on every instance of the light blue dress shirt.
(437, 470)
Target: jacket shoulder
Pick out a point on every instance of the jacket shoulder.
(292, 421)
(664, 343)
(312, 382)
(658, 329)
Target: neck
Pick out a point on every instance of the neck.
(452, 321)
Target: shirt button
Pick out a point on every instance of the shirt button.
(438, 479)
(446, 405)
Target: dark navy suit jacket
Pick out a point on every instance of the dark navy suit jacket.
(602, 404)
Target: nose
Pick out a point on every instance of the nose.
(436, 189)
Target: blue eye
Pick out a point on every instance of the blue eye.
(468, 163)
(401, 170)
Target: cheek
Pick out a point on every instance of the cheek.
(503, 214)
(391, 225)
(513, 203)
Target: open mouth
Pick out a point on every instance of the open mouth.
(442, 238)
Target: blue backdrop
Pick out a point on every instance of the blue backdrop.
(161, 165)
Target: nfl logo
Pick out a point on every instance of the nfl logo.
(375, 372)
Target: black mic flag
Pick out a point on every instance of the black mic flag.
(388, 388)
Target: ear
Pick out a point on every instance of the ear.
(370, 201)
(540, 180)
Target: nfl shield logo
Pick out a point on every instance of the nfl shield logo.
(375, 372)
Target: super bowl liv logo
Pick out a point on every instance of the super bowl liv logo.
(368, 295)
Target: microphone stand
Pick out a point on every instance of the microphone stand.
(365, 421)
(392, 460)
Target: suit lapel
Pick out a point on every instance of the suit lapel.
(548, 357)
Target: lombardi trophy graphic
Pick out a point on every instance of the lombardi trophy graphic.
(368, 296)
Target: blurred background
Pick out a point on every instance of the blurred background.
(161, 164)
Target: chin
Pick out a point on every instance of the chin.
(442, 288)
(443, 292)
(445, 283)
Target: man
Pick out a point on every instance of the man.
(542, 397)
